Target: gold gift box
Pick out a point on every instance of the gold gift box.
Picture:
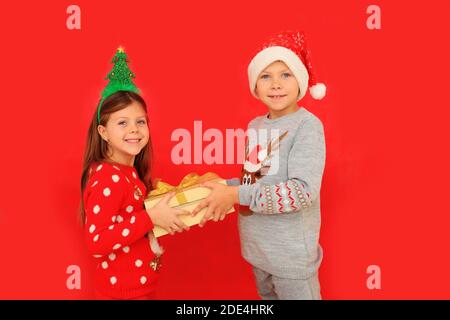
(188, 194)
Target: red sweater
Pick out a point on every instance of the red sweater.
(116, 225)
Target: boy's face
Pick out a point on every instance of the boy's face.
(278, 89)
(126, 131)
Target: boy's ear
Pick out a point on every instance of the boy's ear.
(102, 132)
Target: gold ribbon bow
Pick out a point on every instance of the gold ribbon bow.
(189, 181)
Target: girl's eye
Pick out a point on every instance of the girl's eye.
(286, 75)
(121, 123)
(142, 121)
(265, 76)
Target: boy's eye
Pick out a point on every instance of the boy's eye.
(142, 121)
(286, 75)
(121, 123)
(265, 76)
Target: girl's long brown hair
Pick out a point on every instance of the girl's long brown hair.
(96, 147)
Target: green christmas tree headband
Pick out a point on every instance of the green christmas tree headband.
(120, 78)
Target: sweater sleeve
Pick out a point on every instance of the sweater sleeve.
(306, 163)
(233, 182)
(106, 231)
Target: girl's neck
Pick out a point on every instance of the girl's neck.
(122, 159)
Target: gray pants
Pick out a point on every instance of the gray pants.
(271, 287)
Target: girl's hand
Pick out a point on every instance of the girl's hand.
(166, 217)
(219, 202)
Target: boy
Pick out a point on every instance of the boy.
(279, 191)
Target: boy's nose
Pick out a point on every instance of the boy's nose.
(276, 85)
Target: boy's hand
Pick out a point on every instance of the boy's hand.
(219, 202)
(166, 217)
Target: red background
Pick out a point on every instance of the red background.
(384, 198)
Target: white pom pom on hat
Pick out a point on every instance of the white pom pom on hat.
(289, 47)
(318, 91)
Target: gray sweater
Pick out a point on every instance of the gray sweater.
(279, 194)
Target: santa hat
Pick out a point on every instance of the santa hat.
(289, 47)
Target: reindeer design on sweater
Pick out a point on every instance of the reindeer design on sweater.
(257, 164)
(258, 161)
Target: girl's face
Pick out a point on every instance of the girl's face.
(126, 133)
(278, 89)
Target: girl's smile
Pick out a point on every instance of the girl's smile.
(133, 140)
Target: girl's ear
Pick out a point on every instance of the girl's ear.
(102, 132)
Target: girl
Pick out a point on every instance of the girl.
(114, 183)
